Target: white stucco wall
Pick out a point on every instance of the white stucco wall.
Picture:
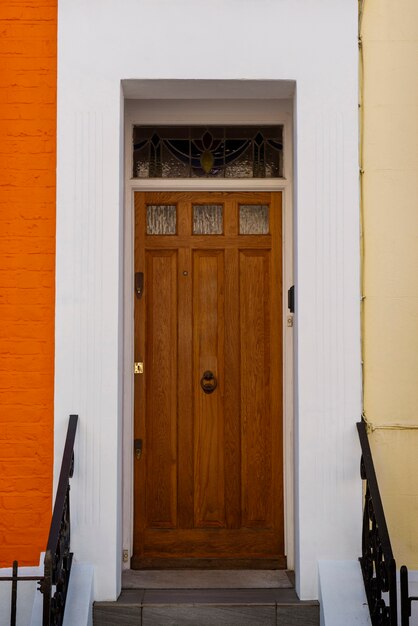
(311, 42)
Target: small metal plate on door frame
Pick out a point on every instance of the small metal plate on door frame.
(139, 368)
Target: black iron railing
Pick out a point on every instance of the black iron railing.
(58, 557)
(377, 562)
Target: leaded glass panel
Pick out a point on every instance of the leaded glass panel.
(253, 219)
(208, 152)
(161, 219)
(207, 219)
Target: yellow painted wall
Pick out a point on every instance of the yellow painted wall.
(390, 219)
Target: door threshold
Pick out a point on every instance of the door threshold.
(143, 563)
(207, 579)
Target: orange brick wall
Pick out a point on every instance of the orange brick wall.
(28, 32)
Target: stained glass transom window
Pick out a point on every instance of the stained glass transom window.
(208, 152)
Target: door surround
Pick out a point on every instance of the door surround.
(241, 112)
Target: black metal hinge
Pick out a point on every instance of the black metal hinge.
(138, 448)
(139, 284)
(291, 299)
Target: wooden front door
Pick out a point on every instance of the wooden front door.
(208, 405)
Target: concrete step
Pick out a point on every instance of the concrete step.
(206, 607)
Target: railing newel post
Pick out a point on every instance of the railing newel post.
(13, 603)
(405, 604)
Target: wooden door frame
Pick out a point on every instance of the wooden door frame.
(150, 113)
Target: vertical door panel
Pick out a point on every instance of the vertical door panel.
(161, 394)
(255, 387)
(208, 348)
(232, 385)
(185, 478)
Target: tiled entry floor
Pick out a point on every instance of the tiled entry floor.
(274, 603)
(207, 579)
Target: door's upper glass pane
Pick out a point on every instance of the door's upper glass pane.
(161, 219)
(253, 219)
(207, 219)
(208, 152)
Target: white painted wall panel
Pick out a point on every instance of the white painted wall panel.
(311, 42)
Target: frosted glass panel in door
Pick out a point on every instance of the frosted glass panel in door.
(253, 219)
(161, 219)
(207, 219)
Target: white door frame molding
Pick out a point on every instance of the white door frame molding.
(219, 112)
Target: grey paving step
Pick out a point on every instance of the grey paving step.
(207, 607)
(206, 579)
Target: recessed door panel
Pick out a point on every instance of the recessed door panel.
(161, 395)
(256, 392)
(208, 365)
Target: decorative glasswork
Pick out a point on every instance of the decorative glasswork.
(253, 219)
(208, 151)
(161, 219)
(207, 219)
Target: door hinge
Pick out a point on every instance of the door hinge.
(139, 284)
(138, 448)
(291, 299)
(138, 367)
(125, 556)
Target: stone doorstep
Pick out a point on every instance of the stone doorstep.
(207, 579)
(208, 607)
